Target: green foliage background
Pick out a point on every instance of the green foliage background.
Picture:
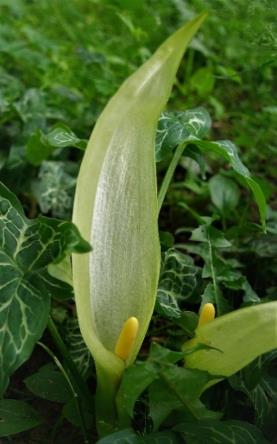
(60, 61)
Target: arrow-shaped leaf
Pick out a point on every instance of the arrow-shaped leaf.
(27, 247)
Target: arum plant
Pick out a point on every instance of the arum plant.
(116, 210)
(234, 340)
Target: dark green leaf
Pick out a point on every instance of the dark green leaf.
(55, 188)
(37, 148)
(228, 432)
(228, 151)
(179, 127)
(72, 413)
(210, 235)
(76, 346)
(27, 247)
(16, 416)
(178, 281)
(224, 193)
(128, 436)
(135, 380)
(49, 383)
(163, 355)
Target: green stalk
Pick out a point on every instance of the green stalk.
(106, 411)
(169, 173)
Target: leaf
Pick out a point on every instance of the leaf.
(128, 436)
(62, 136)
(37, 149)
(27, 247)
(228, 151)
(135, 380)
(211, 236)
(203, 81)
(212, 239)
(76, 346)
(54, 189)
(224, 193)
(140, 375)
(229, 432)
(178, 388)
(178, 281)
(259, 383)
(49, 383)
(16, 416)
(71, 412)
(179, 127)
(241, 336)
(40, 146)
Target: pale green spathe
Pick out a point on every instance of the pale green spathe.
(240, 337)
(115, 207)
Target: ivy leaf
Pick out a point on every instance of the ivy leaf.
(178, 281)
(16, 416)
(40, 146)
(54, 189)
(128, 436)
(225, 432)
(228, 151)
(27, 247)
(76, 346)
(178, 127)
(62, 136)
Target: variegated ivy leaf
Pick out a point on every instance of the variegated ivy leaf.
(192, 126)
(178, 280)
(27, 247)
(77, 348)
(55, 187)
(223, 432)
(181, 126)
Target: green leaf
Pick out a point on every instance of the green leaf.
(61, 136)
(224, 193)
(225, 432)
(240, 337)
(177, 388)
(128, 436)
(49, 383)
(16, 416)
(210, 235)
(71, 412)
(135, 380)
(76, 346)
(40, 146)
(203, 81)
(54, 189)
(212, 239)
(259, 383)
(179, 127)
(178, 281)
(27, 247)
(37, 149)
(228, 151)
